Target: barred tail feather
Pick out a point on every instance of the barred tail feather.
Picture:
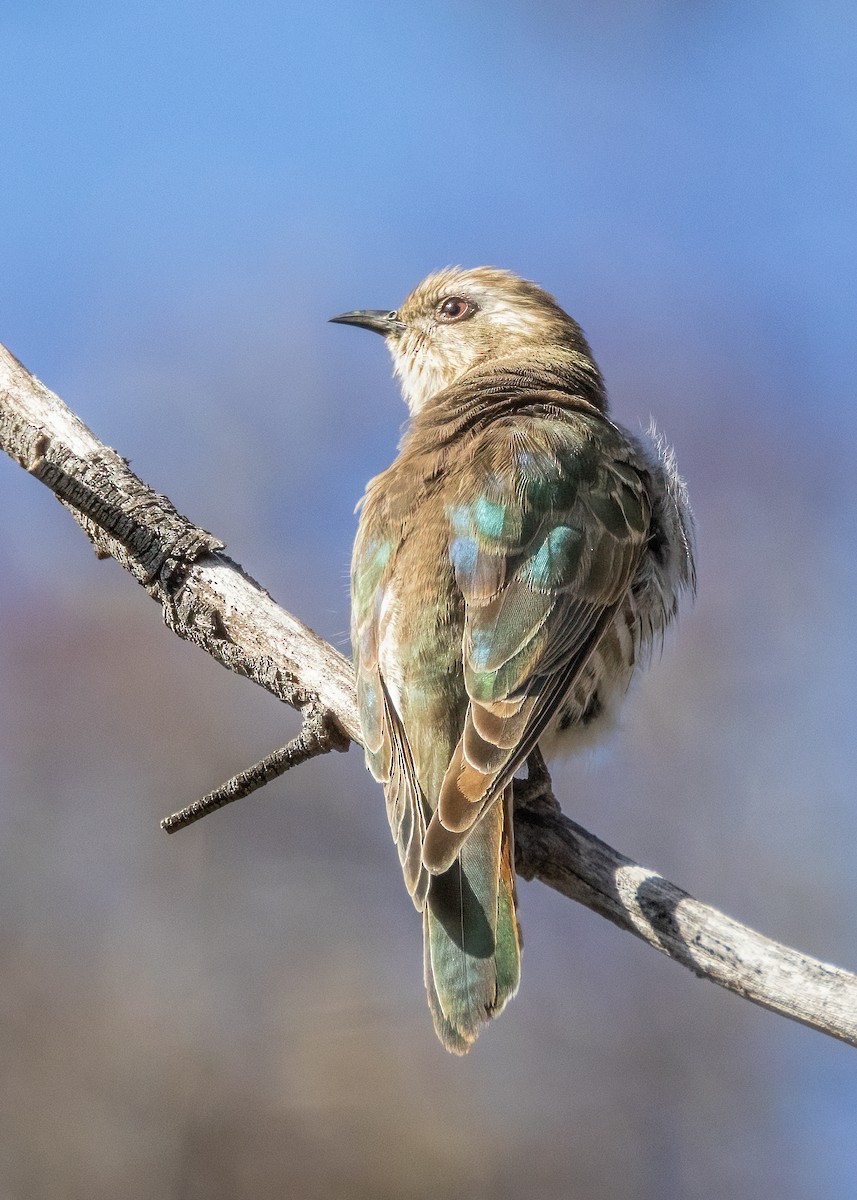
(471, 941)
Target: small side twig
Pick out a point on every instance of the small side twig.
(320, 734)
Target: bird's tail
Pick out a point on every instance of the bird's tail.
(471, 941)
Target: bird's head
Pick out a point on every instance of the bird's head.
(457, 319)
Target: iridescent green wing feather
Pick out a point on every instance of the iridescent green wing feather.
(547, 530)
(388, 753)
(408, 616)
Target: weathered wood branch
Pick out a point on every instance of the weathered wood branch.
(320, 734)
(207, 599)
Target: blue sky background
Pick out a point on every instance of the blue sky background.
(188, 192)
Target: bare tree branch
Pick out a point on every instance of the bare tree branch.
(319, 735)
(209, 600)
(206, 598)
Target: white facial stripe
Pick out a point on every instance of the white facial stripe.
(433, 353)
(516, 318)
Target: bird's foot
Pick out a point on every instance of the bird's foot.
(536, 790)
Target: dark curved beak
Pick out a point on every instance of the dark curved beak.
(379, 320)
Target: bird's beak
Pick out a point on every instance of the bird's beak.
(379, 320)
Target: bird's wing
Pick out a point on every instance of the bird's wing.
(547, 530)
(388, 753)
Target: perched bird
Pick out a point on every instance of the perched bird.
(512, 568)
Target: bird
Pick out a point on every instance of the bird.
(512, 569)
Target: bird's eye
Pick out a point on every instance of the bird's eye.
(455, 308)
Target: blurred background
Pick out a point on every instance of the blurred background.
(188, 192)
